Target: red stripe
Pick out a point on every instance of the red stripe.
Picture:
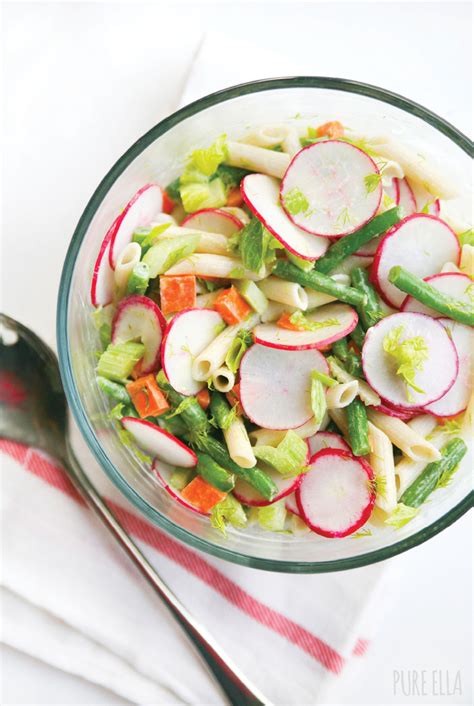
(360, 647)
(52, 473)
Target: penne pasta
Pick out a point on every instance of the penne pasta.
(341, 395)
(211, 358)
(266, 136)
(412, 444)
(338, 416)
(238, 444)
(237, 212)
(423, 424)
(206, 300)
(274, 310)
(407, 470)
(368, 396)
(267, 437)
(210, 265)
(389, 170)
(126, 261)
(223, 379)
(291, 144)
(257, 159)
(214, 243)
(284, 292)
(382, 462)
(415, 166)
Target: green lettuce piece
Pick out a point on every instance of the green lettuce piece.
(300, 320)
(272, 517)
(295, 201)
(401, 515)
(410, 356)
(203, 195)
(466, 238)
(207, 160)
(257, 245)
(239, 345)
(230, 176)
(288, 458)
(228, 511)
(318, 398)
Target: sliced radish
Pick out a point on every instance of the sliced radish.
(457, 398)
(327, 440)
(138, 318)
(332, 177)
(291, 505)
(275, 336)
(160, 442)
(336, 495)
(247, 495)
(213, 220)
(275, 385)
(434, 207)
(103, 282)
(187, 335)
(392, 190)
(162, 471)
(439, 370)
(261, 194)
(406, 198)
(140, 210)
(455, 284)
(392, 411)
(422, 244)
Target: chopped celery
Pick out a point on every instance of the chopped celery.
(253, 295)
(203, 195)
(180, 478)
(322, 377)
(273, 517)
(305, 265)
(239, 345)
(409, 355)
(318, 399)
(288, 458)
(230, 511)
(118, 361)
(169, 251)
(401, 515)
(208, 160)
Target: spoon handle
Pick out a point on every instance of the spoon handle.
(238, 689)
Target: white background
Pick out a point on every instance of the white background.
(81, 83)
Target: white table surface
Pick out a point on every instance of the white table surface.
(81, 83)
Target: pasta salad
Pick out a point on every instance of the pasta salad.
(286, 331)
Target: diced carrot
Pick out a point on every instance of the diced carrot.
(147, 397)
(202, 494)
(234, 197)
(284, 322)
(332, 129)
(233, 398)
(177, 292)
(168, 203)
(231, 306)
(137, 371)
(204, 398)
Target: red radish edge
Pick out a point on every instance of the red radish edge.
(118, 221)
(324, 235)
(367, 511)
(101, 262)
(334, 441)
(146, 302)
(175, 494)
(215, 211)
(165, 433)
(378, 255)
(405, 415)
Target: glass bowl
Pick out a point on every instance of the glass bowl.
(159, 155)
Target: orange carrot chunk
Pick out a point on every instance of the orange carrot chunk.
(234, 197)
(147, 397)
(284, 322)
(333, 129)
(202, 494)
(177, 292)
(231, 306)
(204, 398)
(168, 203)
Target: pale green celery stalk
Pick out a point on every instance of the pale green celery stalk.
(168, 252)
(273, 517)
(118, 361)
(252, 295)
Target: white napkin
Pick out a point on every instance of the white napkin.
(72, 599)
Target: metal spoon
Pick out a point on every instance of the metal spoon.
(33, 411)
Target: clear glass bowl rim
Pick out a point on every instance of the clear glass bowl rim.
(72, 392)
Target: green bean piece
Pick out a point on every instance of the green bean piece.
(213, 473)
(114, 390)
(348, 245)
(319, 282)
(221, 410)
(349, 357)
(430, 296)
(138, 279)
(371, 313)
(192, 413)
(451, 454)
(358, 336)
(358, 427)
